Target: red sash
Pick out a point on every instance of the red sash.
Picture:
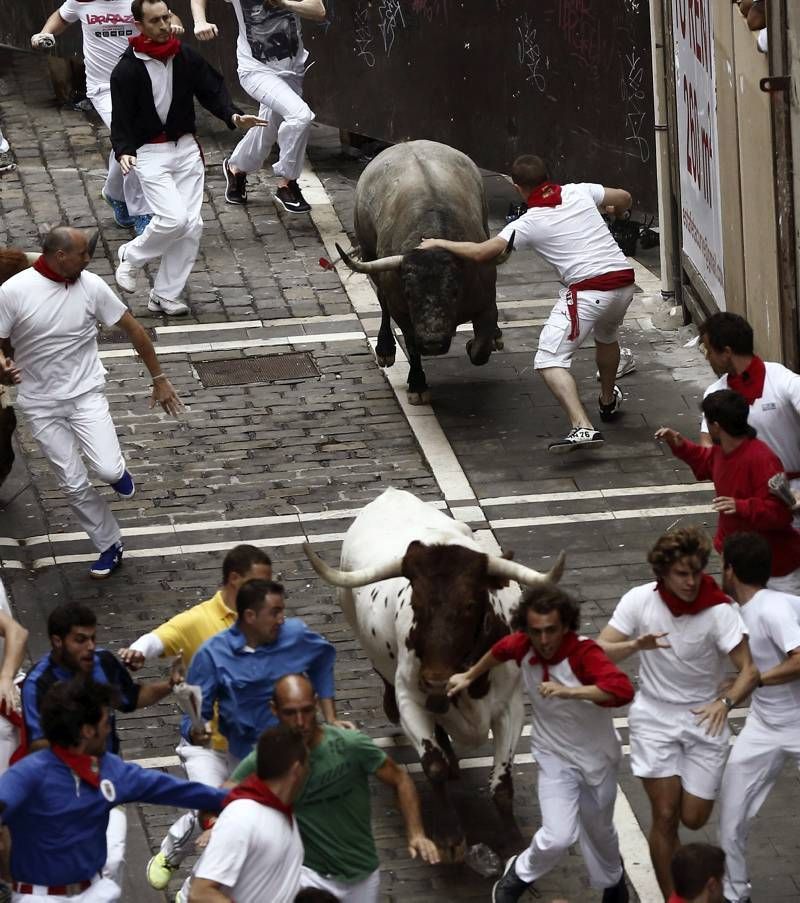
(605, 283)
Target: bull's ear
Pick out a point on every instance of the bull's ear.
(409, 559)
(508, 554)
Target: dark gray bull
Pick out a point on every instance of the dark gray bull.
(416, 190)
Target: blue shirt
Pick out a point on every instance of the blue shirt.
(58, 822)
(241, 682)
(107, 669)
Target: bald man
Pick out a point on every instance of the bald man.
(333, 809)
(49, 316)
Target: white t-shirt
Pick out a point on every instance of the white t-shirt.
(161, 79)
(53, 329)
(776, 415)
(267, 36)
(107, 25)
(255, 853)
(691, 670)
(773, 622)
(572, 237)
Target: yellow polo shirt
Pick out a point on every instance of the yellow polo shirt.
(188, 631)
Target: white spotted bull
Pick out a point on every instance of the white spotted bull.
(416, 190)
(425, 602)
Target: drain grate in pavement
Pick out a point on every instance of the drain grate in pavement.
(112, 336)
(242, 371)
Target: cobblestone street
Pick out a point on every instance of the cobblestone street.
(280, 462)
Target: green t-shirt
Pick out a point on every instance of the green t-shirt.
(333, 810)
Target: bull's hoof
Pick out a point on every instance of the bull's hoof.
(386, 360)
(451, 851)
(477, 361)
(423, 397)
(498, 344)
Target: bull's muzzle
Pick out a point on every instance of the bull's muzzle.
(433, 347)
(436, 698)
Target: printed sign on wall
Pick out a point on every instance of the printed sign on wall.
(701, 219)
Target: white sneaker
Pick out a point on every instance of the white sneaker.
(627, 364)
(161, 305)
(125, 274)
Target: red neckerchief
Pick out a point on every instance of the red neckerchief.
(162, 52)
(86, 767)
(710, 594)
(750, 382)
(546, 194)
(253, 788)
(568, 645)
(43, 269)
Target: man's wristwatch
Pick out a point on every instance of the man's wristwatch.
(729, 703)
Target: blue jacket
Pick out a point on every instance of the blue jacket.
(241, 682)
(107, 669)
(58, 822)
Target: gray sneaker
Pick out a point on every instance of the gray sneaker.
(7, 161)
(509, 888)
(160, 305)
(578, 437)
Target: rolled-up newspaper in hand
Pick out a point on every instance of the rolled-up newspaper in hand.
(190, 701)
(779, 486)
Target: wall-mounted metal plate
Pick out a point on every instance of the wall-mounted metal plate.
(243, 371)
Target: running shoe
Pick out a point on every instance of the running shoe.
(107, 563)
(124, 487)
(7, 161)
(141, 222)
(291, 199)
(160, 305)
(120, 209)
(125, 274)
(627, 364)
(510, 887)
(619, 892)
(578, 437)
(609, 411)
(159, 872)
(235, 184)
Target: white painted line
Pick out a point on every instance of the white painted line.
(589, 517)
(596, 494)
(635, 850)
(253, 324)
(240, 344)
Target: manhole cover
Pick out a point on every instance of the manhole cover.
(112, 336)
(242, 371)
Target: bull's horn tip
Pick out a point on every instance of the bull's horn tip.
(557, 571)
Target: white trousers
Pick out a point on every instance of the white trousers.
(117, 186)
(171, 175)
(208, 766)
(756, 761)
(4, 146)
(116, 838)
(64, 430)
(789, 583)
(102, 891)
(364, 891)
(573, 810)
(9, 741)
(279, 94)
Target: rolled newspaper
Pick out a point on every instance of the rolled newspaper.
(190, 701)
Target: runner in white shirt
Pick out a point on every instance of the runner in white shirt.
(255, 852)
(572, 686)
(678, 721)
(272, 62)
(564, 225)
(106, 27)
(772, 390)
(771, 734)
(49, 313)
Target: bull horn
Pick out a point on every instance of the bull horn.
(352, 579)
(33, 256)
(503, 256)
(371, 266)
(511, 570)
